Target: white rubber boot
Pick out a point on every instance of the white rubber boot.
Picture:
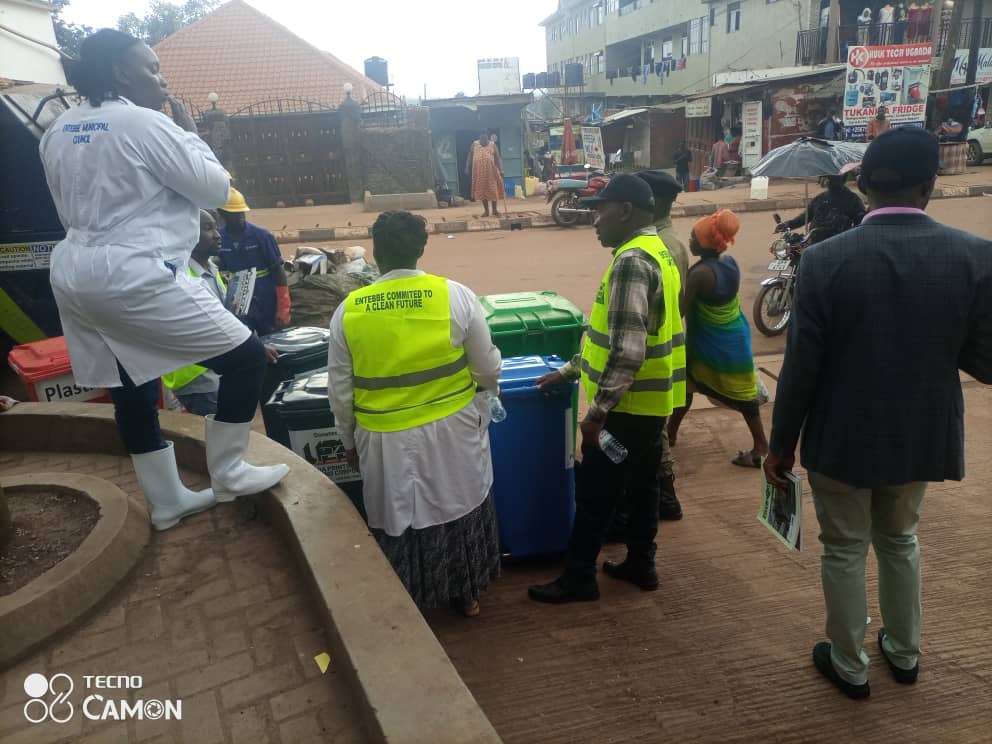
(169, 499)
(230, 475)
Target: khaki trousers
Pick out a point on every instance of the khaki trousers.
(851, 519)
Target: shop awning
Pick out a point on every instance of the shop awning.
(620, 116)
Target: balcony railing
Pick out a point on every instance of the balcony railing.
(811, 47)
(812, 44)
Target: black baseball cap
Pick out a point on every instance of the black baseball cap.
(624, 188)
(900, 159)
(663, 185)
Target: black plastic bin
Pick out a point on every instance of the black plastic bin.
(306, 426)
(301, 351)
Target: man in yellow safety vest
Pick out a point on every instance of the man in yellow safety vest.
(195, 386)
(632, 366)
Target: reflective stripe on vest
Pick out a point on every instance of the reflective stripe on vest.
(406, 371)
(659, 385)
(182, 377)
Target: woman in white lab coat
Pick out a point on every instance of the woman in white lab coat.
(128, 184)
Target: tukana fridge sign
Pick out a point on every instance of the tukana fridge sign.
(896, 77)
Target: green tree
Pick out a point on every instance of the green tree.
(68, 35)
(164, 19)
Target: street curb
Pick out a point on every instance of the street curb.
(523, 222)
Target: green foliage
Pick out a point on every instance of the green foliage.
(164, 19)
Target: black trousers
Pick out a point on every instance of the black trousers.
(136, 406)
(599, 484)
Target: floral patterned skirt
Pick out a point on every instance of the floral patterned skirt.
(445, 562)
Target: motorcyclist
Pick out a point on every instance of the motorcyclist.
(831, 212)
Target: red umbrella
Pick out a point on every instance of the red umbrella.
(568, 154)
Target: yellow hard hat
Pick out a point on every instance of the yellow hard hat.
(236, 202)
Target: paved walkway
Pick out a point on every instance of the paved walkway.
(721, 653)
(350, 222)
(216, 614)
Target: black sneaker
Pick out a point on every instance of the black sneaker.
(902, 676)
(823, 664)
(646, 578)
(563, 590)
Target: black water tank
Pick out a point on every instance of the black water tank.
(541, 80)
(529, 83)
(376, 68)
(573, 74)
(554, 79)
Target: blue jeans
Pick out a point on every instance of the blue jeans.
(200, 404)
(136, 406)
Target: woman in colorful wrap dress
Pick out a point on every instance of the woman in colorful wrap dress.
(719, 362)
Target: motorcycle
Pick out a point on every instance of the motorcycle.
(773, 305)
(564, 195)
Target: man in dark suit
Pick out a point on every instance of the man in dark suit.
(884, 317)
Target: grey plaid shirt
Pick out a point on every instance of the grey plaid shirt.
(636, 310)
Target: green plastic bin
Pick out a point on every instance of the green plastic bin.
(534, 323)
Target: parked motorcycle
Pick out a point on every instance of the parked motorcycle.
(773, 305)
(565, 193)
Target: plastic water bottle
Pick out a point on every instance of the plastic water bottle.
(496, 410)
(612, 447)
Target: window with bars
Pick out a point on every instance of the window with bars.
(695, 36)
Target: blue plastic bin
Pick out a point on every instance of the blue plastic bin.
(509, 186)
(533, 460)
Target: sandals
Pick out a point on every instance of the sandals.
(744, 459)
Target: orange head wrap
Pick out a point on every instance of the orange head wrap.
(716, 231)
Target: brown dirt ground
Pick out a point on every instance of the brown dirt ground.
(48, 526)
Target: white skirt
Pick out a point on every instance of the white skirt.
(118, 306)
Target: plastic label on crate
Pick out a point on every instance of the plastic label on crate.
(64, 387)
(323, 449)
(569, 440)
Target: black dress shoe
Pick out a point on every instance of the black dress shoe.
(821, 659)
(902, 676)
(645, 578)
(563, 590)
(669, 508)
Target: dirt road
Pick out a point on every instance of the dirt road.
(571, 262)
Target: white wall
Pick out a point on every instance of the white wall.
(20, 59)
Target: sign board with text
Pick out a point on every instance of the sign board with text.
(592, 146)
(751, 138)
(895, 76)
(699, 109)
(983, 72)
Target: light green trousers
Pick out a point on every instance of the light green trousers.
(851, 519)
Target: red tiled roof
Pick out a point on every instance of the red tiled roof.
(245, 57)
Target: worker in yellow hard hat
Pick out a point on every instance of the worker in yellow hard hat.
(246, 246)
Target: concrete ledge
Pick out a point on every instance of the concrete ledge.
(351, 233)
(455, 226)
(312, 234)
(404, 683)
(386, 202)
(69, 589)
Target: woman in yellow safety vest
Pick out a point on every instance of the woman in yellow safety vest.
(407, 358)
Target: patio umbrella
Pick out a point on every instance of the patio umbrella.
(809, 157)
(568, 154)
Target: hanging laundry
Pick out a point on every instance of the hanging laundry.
(682, 62)
(633, 73)
(647, 71)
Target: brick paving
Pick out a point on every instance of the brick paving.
(720, 654)
(215, 614)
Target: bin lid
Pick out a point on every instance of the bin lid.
(530, 312)
(294, 340)
(40, 360)
(304, 392)
(520, 372)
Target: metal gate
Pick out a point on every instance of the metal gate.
(289, 153)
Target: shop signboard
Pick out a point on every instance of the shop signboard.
(751, 133)
(895, 76)
(592, 146)
(983, 72)
(700, 109)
